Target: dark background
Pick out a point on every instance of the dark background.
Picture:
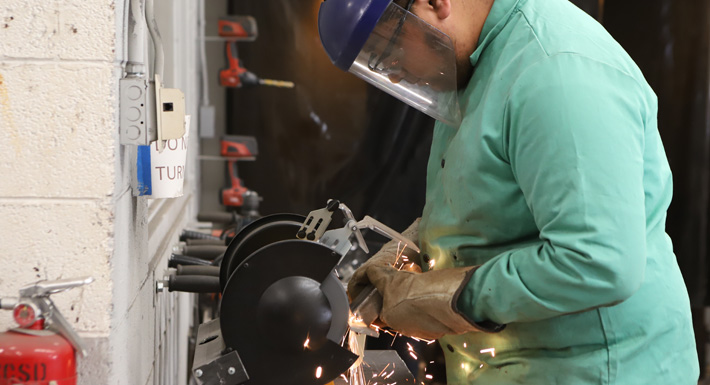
(334, 136)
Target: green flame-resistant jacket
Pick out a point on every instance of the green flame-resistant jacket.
(556, 183)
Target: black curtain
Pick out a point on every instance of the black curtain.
(669, 41)
(332, 136)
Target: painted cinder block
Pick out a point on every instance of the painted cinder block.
(58, 127)
(65, 206)
(59, 29)
(53, 239)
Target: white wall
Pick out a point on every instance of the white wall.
(66, 208)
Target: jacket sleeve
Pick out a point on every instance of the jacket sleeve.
(574, 138)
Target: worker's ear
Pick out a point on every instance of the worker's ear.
(441, 7)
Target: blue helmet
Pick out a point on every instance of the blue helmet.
(345, 25)
(386, 45)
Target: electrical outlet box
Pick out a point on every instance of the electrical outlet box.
(137, 123)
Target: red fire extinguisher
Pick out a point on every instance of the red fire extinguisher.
(42, 350)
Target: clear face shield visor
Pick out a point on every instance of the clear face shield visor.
(413, 61)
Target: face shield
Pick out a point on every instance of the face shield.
(398, 53)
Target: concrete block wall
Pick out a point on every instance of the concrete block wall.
(66, 207)
(58, 72)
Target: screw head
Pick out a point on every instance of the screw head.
(231, 370)
(198, 373)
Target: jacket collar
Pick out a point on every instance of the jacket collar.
(496, 20)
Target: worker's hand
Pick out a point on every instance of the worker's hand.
(387, 256)
(422, 305)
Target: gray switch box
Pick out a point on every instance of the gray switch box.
(136, 120)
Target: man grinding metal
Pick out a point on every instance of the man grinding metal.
(543, 234)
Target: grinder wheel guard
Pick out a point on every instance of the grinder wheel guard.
(285, 312)
(261, 232)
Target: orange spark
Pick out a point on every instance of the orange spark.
(489, 350)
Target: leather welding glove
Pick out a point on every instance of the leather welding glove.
(422, 305)
(387, 256)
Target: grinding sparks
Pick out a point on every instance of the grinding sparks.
(356, 344)
(399, 255)
(489, 350)
(432, 262)
(319, 371)
(411, 351)
(382, 375)
(428, 342)
(355, 319)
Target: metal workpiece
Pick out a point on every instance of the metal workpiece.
(383, 367)
(366, 308)
(373, 224)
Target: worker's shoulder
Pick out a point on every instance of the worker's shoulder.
(559, 28)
